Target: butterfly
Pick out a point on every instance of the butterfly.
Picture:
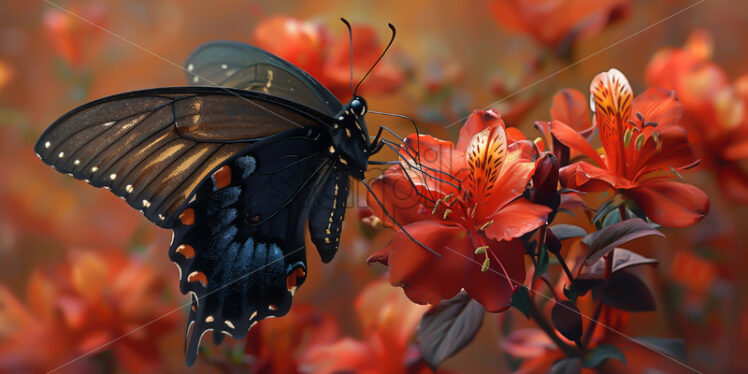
(236, 164)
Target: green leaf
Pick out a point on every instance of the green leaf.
(596, 356)
(605, 240)
(563, 231)
(567, 366)
(521, 300)
(449, 327)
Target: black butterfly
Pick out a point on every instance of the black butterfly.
(234, 170)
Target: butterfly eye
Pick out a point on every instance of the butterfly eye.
(358, 106)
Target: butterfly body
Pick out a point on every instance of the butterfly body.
(237, 172)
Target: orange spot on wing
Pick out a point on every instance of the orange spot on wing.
(292, 280)
(187, 217)
(222, 177)
(186, 250)
(198, 276)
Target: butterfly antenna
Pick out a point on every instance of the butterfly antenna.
(392, 39)
(350, 39)
(397, 223)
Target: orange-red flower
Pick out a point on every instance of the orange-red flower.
(471, 215)
(96, 301)
(278, 345)
(309, 46)
(72, 38)
(389, 321)
(716, 110)
(641, 141)
(558, 24)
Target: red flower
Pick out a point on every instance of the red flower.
(641, 139)
(96, 301)
(72, 38)
(477, 207)
(558, 24)
(309, 47)
(277, 344)
(716, 111)
(389, 321)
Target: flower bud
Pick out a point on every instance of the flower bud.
(545, 182)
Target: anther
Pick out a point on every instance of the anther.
(481, 250)
(627, 137)
(639, 142)
(486, 264)
(436, 206)
(446, 213)
(485, 225)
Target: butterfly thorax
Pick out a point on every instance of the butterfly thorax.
(350, 137)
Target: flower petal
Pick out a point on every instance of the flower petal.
(517, 219)
(658, 105)
(477, 122)
(432, 163)
(611, 98)
(585, 177)
(671, 204)
(674, 151)
(426, 278)
(570, 107)
(399, 198)
(572, 139)
(492, 288)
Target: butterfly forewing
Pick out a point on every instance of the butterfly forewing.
(153, 147)
(238, 65)
(239, 244)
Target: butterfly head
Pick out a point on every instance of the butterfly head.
(350, 137)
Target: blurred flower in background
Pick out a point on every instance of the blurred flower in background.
(95, 301)
(327, 58)
(559, 24)
(716, 109)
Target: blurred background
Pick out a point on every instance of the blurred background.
(78, 268)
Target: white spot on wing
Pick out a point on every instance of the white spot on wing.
(47, 144)
(77, 162)
(129, 188)
(61, 155)
(195, 79)
(146, 203)
(229, 324)
(113, 176)
(224, 66)
(190, 67)
(94, 169)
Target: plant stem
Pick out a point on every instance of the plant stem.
(565, 267)
(551, 332)
(593, 323)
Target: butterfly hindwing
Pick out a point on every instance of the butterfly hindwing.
(153, 147)
(327, 213)
(239, 65)
(239, 244)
